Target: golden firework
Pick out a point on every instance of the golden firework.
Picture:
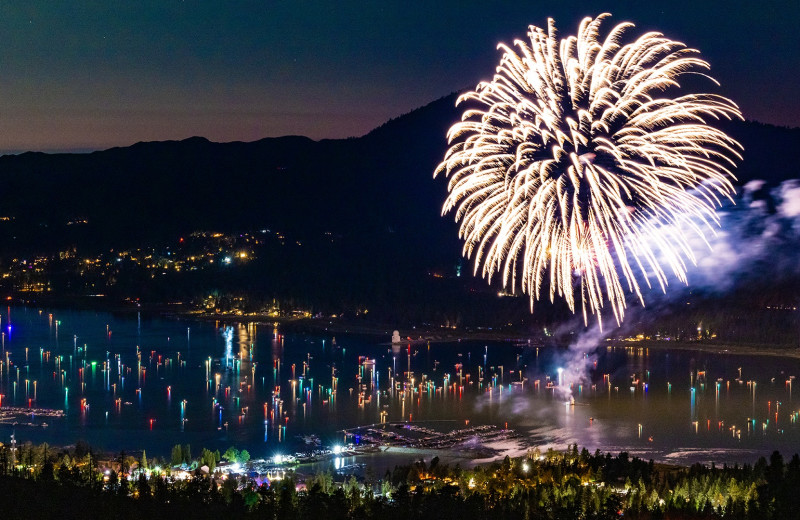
(577, 169)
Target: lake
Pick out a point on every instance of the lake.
(137, 382)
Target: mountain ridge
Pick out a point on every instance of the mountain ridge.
(375, 193)
(381, 180)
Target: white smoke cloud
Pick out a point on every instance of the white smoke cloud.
(758, 237)
(790, 199)
(763, 226)
(575, 363)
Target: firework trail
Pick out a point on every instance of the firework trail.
(575, 170)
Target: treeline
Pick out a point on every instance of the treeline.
(554, 485)
(764, 316)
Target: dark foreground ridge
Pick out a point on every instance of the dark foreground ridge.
(66, 484)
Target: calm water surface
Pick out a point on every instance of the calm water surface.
(130, 382)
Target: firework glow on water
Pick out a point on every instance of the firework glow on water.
(583, 170)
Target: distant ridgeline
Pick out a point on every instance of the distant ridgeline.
(360, 216)
(377, 184)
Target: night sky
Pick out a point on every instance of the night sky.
(81, 75)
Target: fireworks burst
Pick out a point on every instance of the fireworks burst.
(573, 168)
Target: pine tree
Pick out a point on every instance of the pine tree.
(243, 457)
(231, 454)
(176, 458)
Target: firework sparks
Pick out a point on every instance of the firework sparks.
(573, 169)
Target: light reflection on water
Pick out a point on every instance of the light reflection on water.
(132, 382)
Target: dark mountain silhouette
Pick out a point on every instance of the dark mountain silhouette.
(377, 183)
(381, 182)
(376, 192)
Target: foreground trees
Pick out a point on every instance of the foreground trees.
(46, 483)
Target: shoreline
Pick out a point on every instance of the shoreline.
(180, 310)
(382, 332)
(735, 350)
(377, 330)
